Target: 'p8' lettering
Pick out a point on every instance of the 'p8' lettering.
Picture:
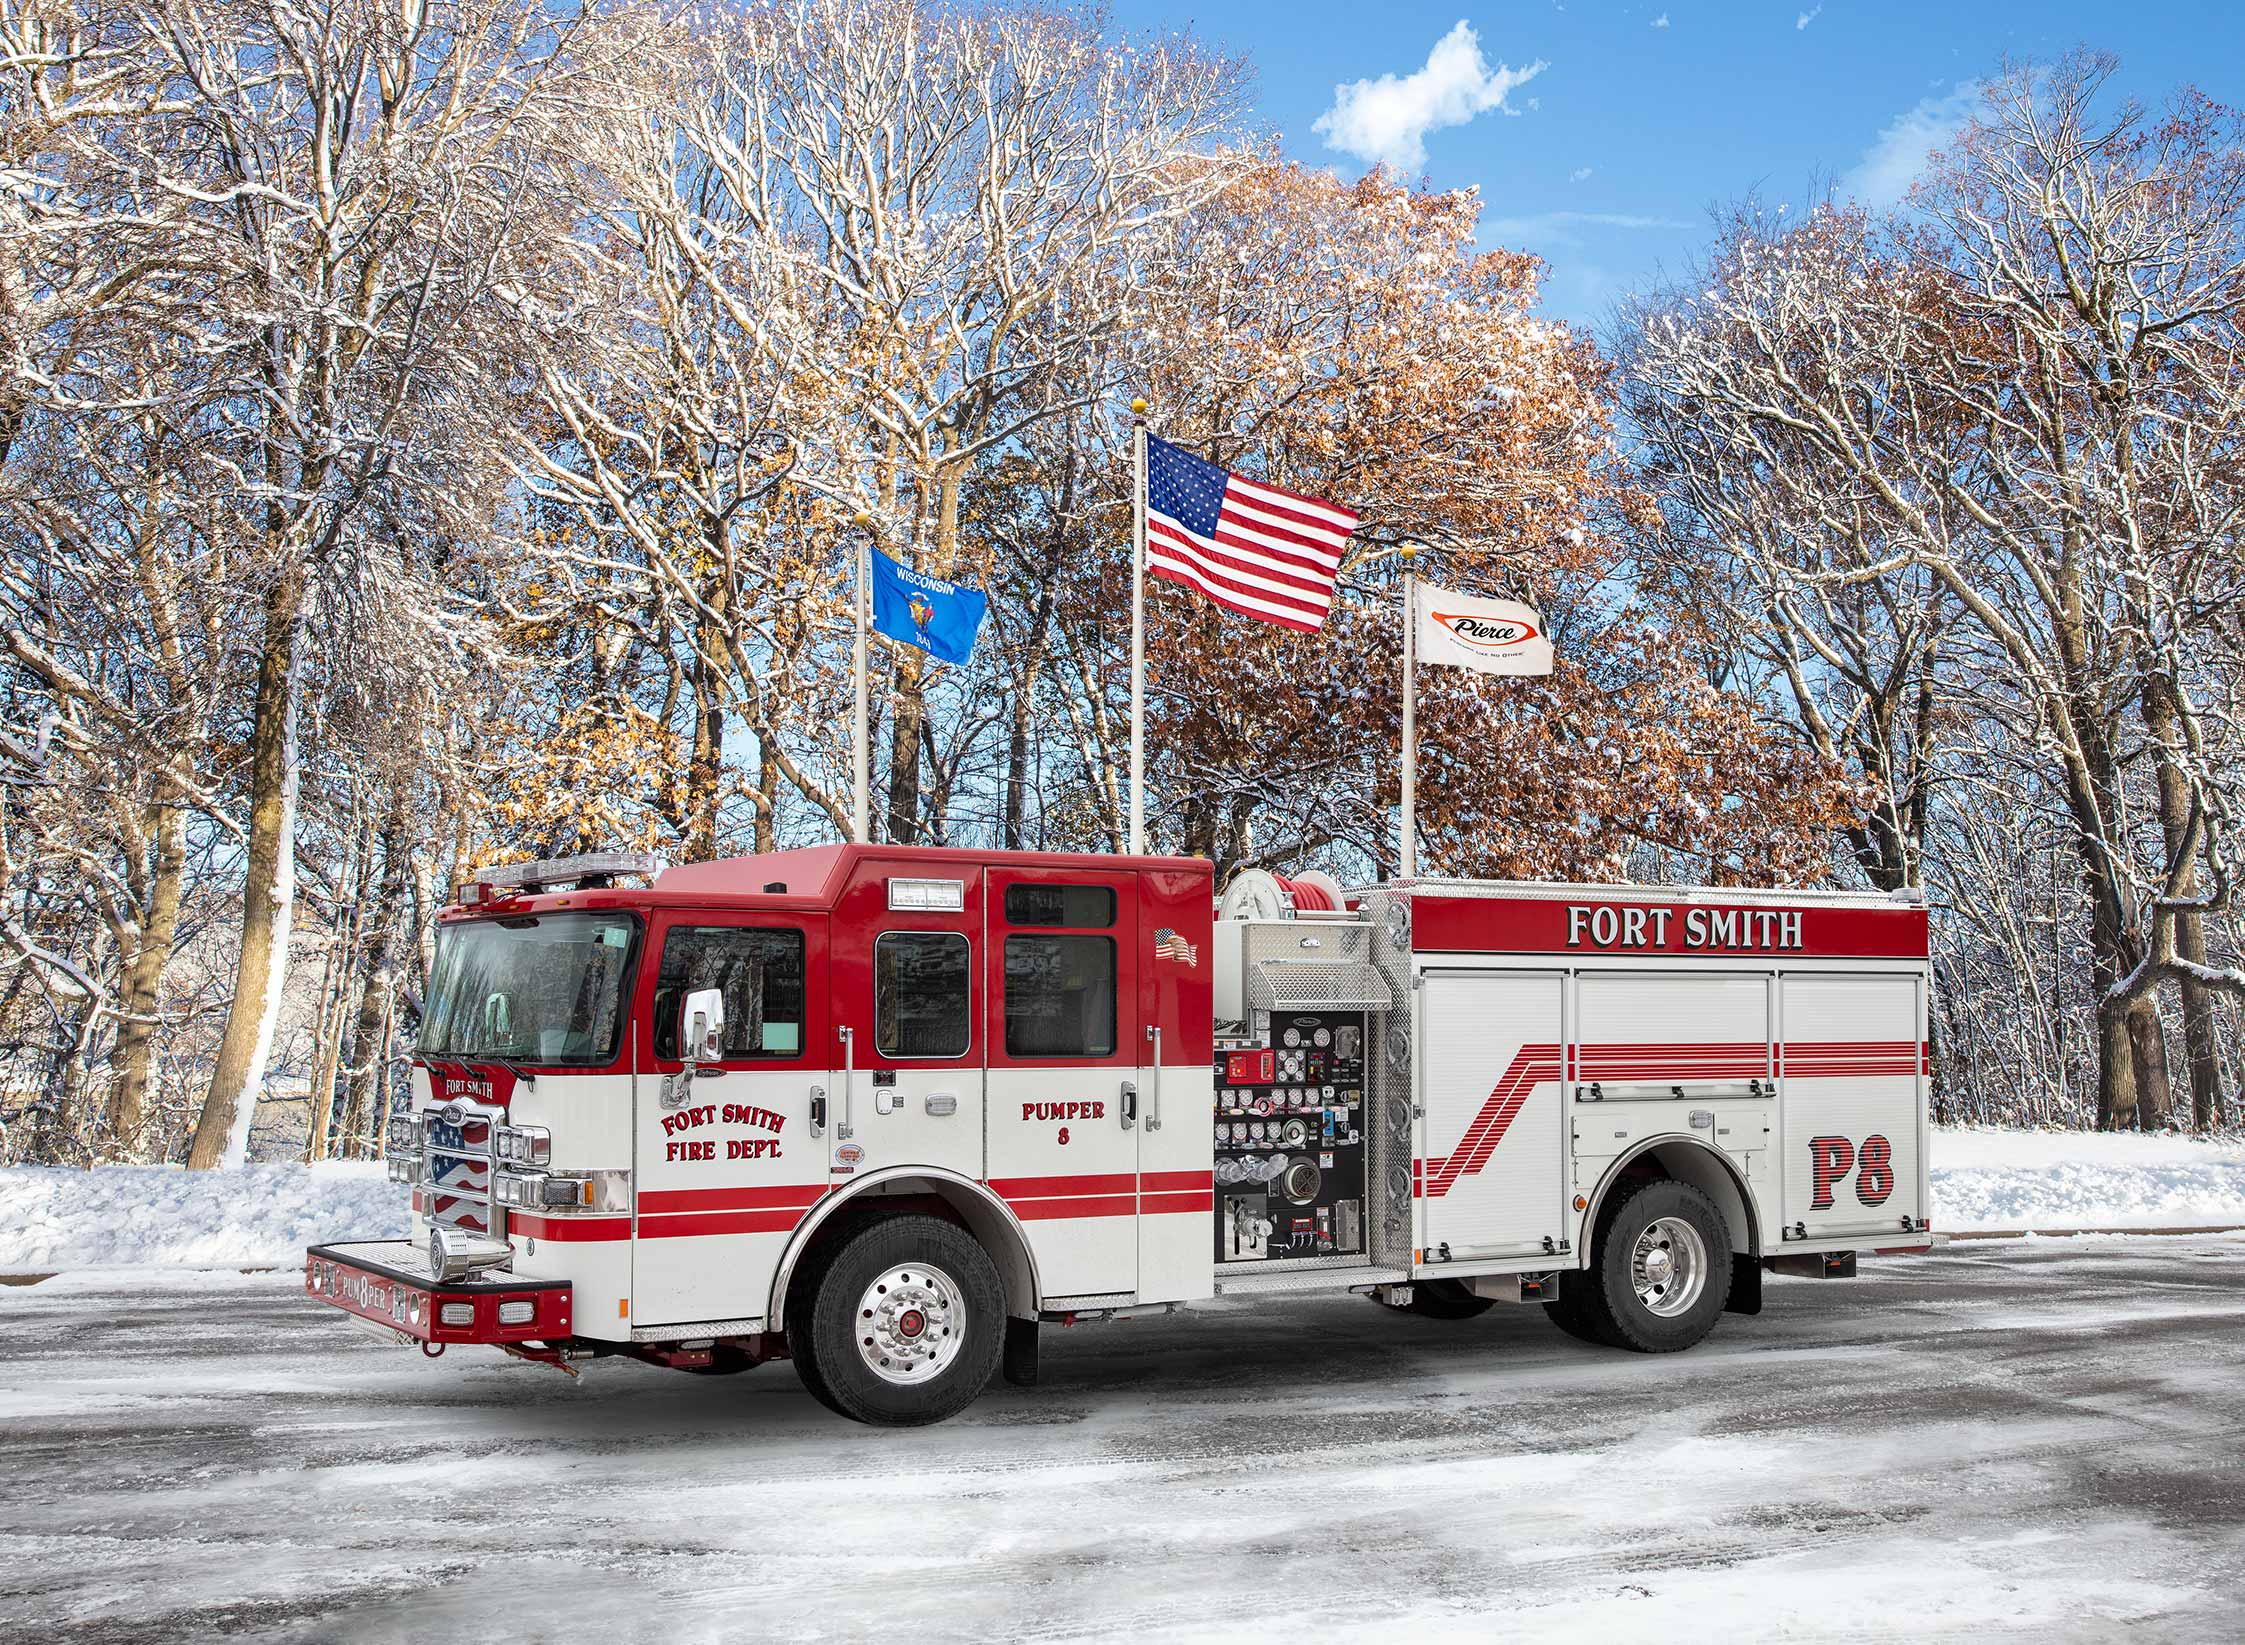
(1874, 1178)
(1832, 1158)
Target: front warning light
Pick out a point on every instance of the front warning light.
(1581, 1204)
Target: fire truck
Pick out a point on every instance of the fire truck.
(888, 1111)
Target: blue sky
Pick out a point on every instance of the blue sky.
(1606, 159)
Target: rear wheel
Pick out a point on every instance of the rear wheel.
(1659, 1271)
(899, 1323)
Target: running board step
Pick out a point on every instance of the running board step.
(1308, 1279)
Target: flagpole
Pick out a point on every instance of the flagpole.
(860, 788)
(1408, 857)
(1138, 628)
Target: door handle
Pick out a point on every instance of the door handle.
(848, 1128)
(818, 1110)
(1127, 1109)
(1153, 1105)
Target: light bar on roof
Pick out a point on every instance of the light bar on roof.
(928, 896)
(573, 869)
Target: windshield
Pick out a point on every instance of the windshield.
(543, 988)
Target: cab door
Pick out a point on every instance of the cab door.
(907, 1034)
(729, 1161)
(1062, 1021)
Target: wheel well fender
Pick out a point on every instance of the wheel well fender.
(1686, 1159)
(913, 1187)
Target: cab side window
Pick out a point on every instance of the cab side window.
(1060, 996)
(760, 973)
(921, 988)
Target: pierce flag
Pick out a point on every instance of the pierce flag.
(1493, 636)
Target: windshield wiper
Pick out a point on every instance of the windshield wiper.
(522, 1076)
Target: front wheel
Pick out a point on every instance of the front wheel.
(899, 1323)
(1659, 1272)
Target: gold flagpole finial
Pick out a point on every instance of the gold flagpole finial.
(1138, 408)
(1409, 551)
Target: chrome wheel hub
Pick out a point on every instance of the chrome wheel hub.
(1668, 1267)
(910, 1323)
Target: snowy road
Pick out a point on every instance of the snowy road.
(2032, 1441)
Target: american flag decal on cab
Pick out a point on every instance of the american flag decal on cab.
(1168, 945)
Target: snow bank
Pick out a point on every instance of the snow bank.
(136, 1215)
(2084, 1179)
(264, 1215)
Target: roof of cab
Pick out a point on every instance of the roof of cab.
(812, 878)
(822, 872)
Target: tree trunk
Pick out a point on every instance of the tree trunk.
(767, 796)
(2147, 1046)
(378, 986)
(908, 708)
(268, 889)
(2201, 1041)
(133, 1060)
(2116, 1076)
(705, 770)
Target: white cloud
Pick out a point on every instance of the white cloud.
(1808, 17)
(1386, 120)
(1561, 229)
(1581, 174)
(1661, 21)
(1890, 165)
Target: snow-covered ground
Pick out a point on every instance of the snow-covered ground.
(2007, 1442)
(264, 1215)
(2085, 1179)
(128, 1216)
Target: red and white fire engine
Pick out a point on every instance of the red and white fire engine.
(885, 1110)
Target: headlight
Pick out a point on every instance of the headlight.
(524, 1144)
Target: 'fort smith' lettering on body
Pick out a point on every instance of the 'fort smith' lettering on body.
(1729, 929)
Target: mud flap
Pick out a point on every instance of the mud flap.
(1746, 1287)
(1019, 1366)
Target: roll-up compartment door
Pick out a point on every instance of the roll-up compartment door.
(1703, 1031)
(1490, 1178)
(1852, 1066)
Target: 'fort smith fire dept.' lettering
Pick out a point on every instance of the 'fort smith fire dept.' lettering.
(1750, 929)
(732, 1113)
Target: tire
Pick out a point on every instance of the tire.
(898, 1323)
(1569, 1314)
(1443, 1299)
(1671, 1300)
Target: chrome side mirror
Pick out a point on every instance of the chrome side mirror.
(701, 1026)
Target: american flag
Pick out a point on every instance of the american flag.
(1250, 547)
(1168, 945)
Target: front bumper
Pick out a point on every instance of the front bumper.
(389, 1282)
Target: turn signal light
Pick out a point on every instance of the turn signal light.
(517, 1312)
